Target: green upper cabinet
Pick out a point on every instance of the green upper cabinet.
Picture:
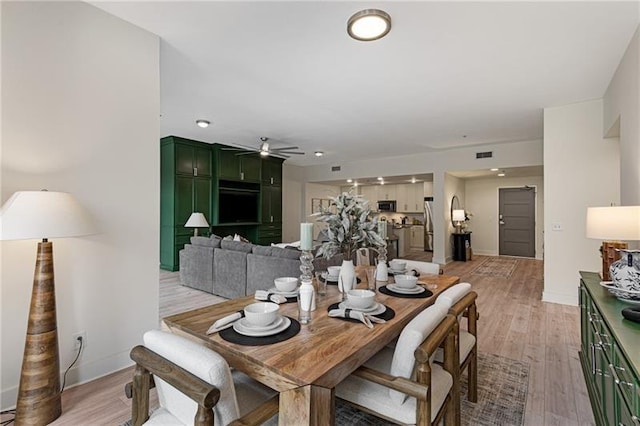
(238, 165)
(271, 204)
(192, 160)
(272, 171)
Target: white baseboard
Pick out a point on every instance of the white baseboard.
(560, 298)
(78, 375)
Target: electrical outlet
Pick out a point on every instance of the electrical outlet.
(76, 340)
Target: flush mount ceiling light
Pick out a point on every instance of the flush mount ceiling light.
(379, 177)
(501, 174)
(494, 170)
(318, 153)
(369, 25)
(413, 180)
(349, 180)
(203, 123)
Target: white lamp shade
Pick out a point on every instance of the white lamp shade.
(196, 220)
(43, 214)
(458, 215)
(613, 223)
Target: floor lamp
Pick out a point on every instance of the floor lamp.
(41, 215)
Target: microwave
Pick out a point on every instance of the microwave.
(387, 206)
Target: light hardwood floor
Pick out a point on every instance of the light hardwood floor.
(514, 323)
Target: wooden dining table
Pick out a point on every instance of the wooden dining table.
(306, 368)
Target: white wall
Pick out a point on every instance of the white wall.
(481, 199)
(452, 186)
(580, 170)
(316, 190)
(80, 113)
(621, 102)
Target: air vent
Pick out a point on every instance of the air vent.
(487, 154)
(335, 168)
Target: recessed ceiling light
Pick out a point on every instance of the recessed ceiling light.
(381, 182)
(413, 180)
(494, 170)
(369, 25)
(203, 123)
(379, 177)
(501, 174)
(355, 183)
(319, 153)
(349, 180)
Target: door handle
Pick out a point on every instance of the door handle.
(501, 222)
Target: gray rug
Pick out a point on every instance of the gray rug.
(502, 396)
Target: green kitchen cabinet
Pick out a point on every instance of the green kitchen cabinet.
(271, 204)
(609, 355)
(185, 187)
(270, 231)
(272, 171)
(238, 165)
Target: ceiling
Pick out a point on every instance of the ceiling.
(449, 74)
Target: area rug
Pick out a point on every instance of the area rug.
(501, 267)
(502, 396)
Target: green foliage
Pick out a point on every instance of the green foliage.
(350, 227)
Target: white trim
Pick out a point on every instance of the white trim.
(561, 298)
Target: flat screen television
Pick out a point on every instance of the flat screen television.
(238, 206)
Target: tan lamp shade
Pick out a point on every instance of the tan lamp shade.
(458, 215)
(613, 223)
(196, 220)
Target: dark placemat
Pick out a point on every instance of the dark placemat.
(386, 315)
(423, 295)
(230, 335)
(336, 281)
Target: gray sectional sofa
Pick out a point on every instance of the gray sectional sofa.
(234, 268)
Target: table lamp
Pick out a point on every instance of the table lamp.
(458, 216)
(196, 220)
(35, 215)
(613, 224)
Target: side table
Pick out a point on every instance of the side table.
(462, 246)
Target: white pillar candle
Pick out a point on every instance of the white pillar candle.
(306, 236)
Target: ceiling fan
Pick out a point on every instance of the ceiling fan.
(266, 149)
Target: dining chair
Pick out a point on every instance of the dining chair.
(362, 257)
(461, 302)
(402, 385)
(195, 386)
(423, 267)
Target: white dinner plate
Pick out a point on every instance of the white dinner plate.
(330, 278)
(376, 309)
(244, 323)
(255, 333)
(396, 289)
(283, 293)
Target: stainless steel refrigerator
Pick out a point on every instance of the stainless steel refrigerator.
(428, 224)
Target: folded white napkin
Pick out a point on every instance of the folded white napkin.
(270, 297)
(225, 322)
(366, 319)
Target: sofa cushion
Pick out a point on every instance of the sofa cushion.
(285, 253)
(237, 246)
(262, 250)
(213, 241)
(262, 270)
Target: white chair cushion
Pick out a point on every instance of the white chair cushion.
(423, 267)
(467, 342)
(203, 363)
(162, 417)
(376, 397)
(452, 295)
(411, 337)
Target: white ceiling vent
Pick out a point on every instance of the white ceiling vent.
(487, 154)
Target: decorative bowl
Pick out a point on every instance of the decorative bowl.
(398, 265)
(286, 284)
(361, 299)
(621, 293)
(405, 281)
(261, 313)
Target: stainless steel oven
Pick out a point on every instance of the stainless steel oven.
(387, 205)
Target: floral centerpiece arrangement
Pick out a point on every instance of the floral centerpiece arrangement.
(349, 226)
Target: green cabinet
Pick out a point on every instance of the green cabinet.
(238, 165)
(271, 204)
(271, 201)
(185, 187)
(272, 171)
(610, 355)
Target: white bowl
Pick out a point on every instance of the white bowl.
(405, 281)
(333, 271)
(286, 284)
(361, 299)
(261, 313)
(398, 265)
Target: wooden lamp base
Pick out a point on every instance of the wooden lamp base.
(610, 255)
(39, 399)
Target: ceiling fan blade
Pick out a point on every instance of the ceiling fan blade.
(285, 148)
(289, 152)
(246, 152)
